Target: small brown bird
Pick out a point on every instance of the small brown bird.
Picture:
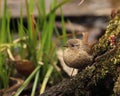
(78, 53)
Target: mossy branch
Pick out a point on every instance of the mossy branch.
(98, 79)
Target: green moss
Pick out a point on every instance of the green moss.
(108, 57)
(98, 79)
(113, 28)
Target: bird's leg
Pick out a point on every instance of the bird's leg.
(72, 72)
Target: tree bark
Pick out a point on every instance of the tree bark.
(99, 78)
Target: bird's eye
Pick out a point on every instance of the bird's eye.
(72, 45)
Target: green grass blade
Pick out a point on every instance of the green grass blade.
(31, 6)
(3, 28)
(58, 6)
(35, 83)
(47, 76)
(26, 82)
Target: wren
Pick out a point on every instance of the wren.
(78, 53)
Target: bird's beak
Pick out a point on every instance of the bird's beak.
(66, 45)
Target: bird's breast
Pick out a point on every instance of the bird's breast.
(76, 58)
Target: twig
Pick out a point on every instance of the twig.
(81, 2)
(10, 55)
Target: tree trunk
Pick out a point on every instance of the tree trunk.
(99, 78)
